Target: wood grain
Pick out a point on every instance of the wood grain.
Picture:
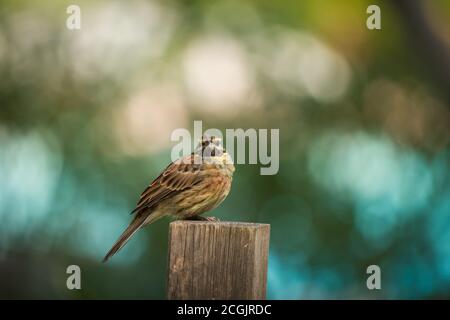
(217, 260)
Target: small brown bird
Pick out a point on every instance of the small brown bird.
(187, 188)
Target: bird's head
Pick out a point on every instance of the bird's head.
(211, 150)
(210, 146)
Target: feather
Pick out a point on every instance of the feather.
(174, 179)
(134, 226)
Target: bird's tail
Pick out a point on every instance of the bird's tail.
(134, 226)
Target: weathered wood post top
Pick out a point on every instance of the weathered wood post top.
(217, 260)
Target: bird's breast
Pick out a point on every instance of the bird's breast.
(212, 188)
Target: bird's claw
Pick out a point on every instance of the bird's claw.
(212, 219)
(200, 218)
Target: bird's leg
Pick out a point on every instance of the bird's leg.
(211, 219)
(201, 218)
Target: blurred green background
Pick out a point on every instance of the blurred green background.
(86, 118)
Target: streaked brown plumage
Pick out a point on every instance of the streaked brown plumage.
(188, 187)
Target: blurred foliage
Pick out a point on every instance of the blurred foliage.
(86, 117)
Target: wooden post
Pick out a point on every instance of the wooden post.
(217, 260)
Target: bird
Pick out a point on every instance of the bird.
(187, 188)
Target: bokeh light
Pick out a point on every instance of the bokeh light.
(86, 118)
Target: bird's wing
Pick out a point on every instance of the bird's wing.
(178, 176)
